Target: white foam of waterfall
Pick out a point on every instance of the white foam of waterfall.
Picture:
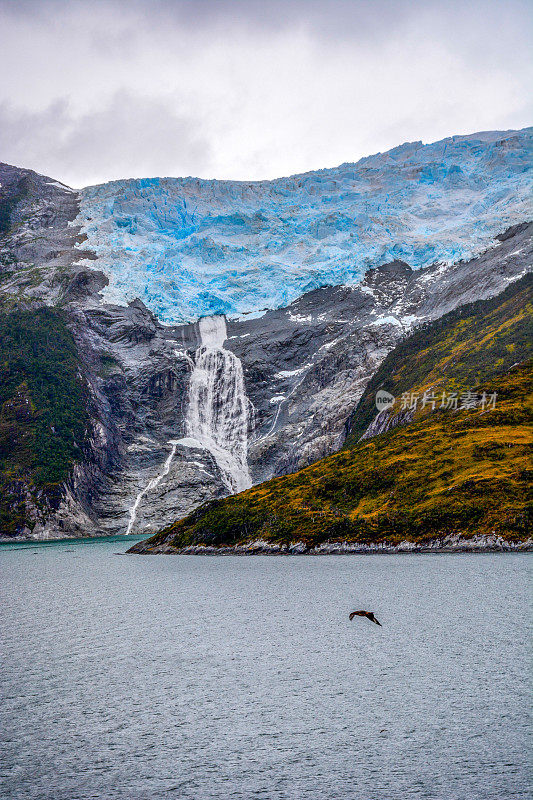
(151, 485)
(218, 411)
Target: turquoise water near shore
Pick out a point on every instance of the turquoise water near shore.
(139, 678)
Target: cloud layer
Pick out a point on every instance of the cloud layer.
(247, 90)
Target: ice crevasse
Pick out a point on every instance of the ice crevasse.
(189, 247)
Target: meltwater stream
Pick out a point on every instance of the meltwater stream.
(218, 413)
(151, 485)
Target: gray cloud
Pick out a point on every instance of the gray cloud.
(129, 137)
(250, 88)
(358, 19)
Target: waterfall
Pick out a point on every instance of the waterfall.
(217, 416)
(151, 485)
(218, 409)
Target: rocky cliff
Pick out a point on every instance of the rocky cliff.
(279, 386)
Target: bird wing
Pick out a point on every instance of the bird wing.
(368, 614)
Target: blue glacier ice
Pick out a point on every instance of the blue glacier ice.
(190, 247)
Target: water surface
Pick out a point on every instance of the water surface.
(139, 678)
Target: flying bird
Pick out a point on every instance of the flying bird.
(368, 614)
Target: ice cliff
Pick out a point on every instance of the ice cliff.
(189, 247)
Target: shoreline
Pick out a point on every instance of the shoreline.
(449, 544)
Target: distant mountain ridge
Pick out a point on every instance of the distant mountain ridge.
(189, 247)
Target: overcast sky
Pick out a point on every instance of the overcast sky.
(93, 91)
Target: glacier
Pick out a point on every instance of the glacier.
(191, 247)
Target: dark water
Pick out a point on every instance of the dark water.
(195, 677)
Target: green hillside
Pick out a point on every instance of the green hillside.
(448, 471)
(457, 352)
(43, 413)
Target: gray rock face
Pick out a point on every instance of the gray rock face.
(37, 241)
(305, 366)
(384, 421)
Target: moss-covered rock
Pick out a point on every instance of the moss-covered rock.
(43, 413)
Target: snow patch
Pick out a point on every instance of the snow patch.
(289, 373)
(299, 317)
(61, 186)
(386, 321)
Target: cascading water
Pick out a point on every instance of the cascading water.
(218, 410)
(151, 485)
(218, 413)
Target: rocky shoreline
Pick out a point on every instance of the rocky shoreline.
(448, 544)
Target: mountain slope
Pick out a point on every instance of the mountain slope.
(445, 473)
(461, 350)
(43, 416)
(189, 247)
(304, 366)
